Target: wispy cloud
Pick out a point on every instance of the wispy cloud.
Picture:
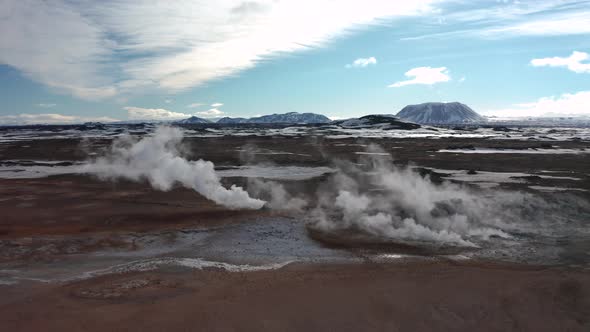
(49, 118)
(139, 113)
(574, 62)
(55, 44)
(195, 105)
(101, 49)
(46, 105)
(550, 25)
(424, 75)
(507, 19)
(567, 104)
(216, 105)
(362, 62)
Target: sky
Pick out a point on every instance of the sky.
(66, 61)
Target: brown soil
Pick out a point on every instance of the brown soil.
(64, 205)
(403, 297)
(419, 296)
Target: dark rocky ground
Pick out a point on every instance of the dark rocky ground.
(43, 220)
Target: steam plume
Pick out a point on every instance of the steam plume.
(277, 197)
(157, 159)
(390, 202)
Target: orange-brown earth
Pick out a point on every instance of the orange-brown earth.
(396, 297)
(405, 296)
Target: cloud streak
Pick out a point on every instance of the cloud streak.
(195, 105)
(139, 113)
(97, 50)
(55, 44)
(49, 118)
(513, 19)
(46, 105)
(562, 24)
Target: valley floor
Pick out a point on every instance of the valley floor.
(431, 296)
(78, 253)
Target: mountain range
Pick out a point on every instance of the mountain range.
(291, 117)
(427, 113)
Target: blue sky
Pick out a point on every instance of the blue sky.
(65, 61)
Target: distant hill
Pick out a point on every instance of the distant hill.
(291, 117)
(287, 118)
(192, 120)
(228, 120)
(440, 113)
(382, 121)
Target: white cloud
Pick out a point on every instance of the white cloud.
(568, 104)
(573, 62)
(53, 43)
(514, 19)
(195, 105)
(211, 113)
(424, 75)
(49, 118)
(216, 105)
(94, 49)
(46, 105)
(139, 113)
(362, 62)
(168, 101)
(87, 93)
(575, 23)
(76, 46)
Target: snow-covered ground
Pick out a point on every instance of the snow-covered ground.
(517, 151)
(328, 131)
(40, 169)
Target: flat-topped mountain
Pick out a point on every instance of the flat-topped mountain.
(439, 113)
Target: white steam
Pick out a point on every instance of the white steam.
(157, 159)
(398, 204)
(374, 198)
(277, 197)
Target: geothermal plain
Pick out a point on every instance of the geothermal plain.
(138, 227)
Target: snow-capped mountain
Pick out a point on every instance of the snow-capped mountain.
(291, 117)
(228, 120)
(440, 113)
(287, 118)
(192, 120)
